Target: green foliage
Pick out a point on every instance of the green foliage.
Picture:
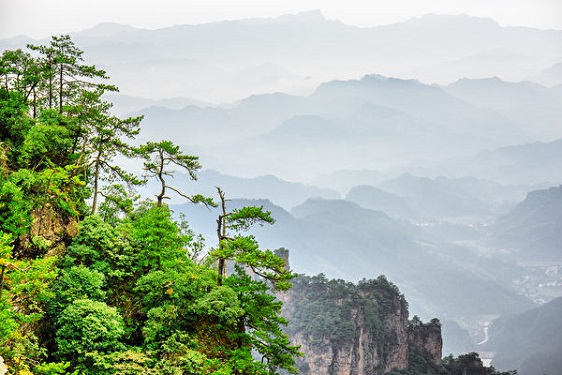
(52, 368)
(9, 324)
(20, 71)
(319, 317)
(47, 143)
(222, 305)
(14, 124)
(245, 250)
(118, 202)
(169, 298)
(160, 156)
(129, 291)
(263, 323)
(24, 289)
(157, 237)
(62, 187)
(181, 354)
(76, 283)
(15, 205)
(104, 248)
(470, 364)
(24, 190)
(128, 362)
(242, 219)
(88, 326)
(62, 75)
(107, 139)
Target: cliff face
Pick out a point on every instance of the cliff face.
(49, 230)
(347, 329)
(424, 340)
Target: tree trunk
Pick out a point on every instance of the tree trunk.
(96, 183)
(50, 91)
(221, 234)
(160, 197)
(60, 89)
(34, 103)
(221, 271)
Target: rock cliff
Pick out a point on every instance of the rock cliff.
(348, 329)
(50, 230)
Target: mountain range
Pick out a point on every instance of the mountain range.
(227, 61)
(300, 96)
(375, 123)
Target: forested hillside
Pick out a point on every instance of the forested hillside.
(95, 280)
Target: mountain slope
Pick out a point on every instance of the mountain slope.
(531, 106)
(529, 342)
(533, 229)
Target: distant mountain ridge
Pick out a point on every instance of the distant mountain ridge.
(283, 193)
(194, 60)
(531, 163)
(375, 122)
(514, 101)
(412, 197)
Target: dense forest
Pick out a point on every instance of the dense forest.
(95, 280)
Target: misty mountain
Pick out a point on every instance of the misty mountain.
(534, 164)
(372, 123)
(530, 341)
(533, 229)
(377, 199)
(282, 193)
(106, 29)
(551, 76)
(344, 180)
(532, 107)
(527, 163)
(226, 61)
(450, 207)
(443, 197)
(124, 104)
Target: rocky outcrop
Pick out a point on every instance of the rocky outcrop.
(50, 232)
(347, 329)
(425, 340)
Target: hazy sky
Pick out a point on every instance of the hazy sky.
(42, 18)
